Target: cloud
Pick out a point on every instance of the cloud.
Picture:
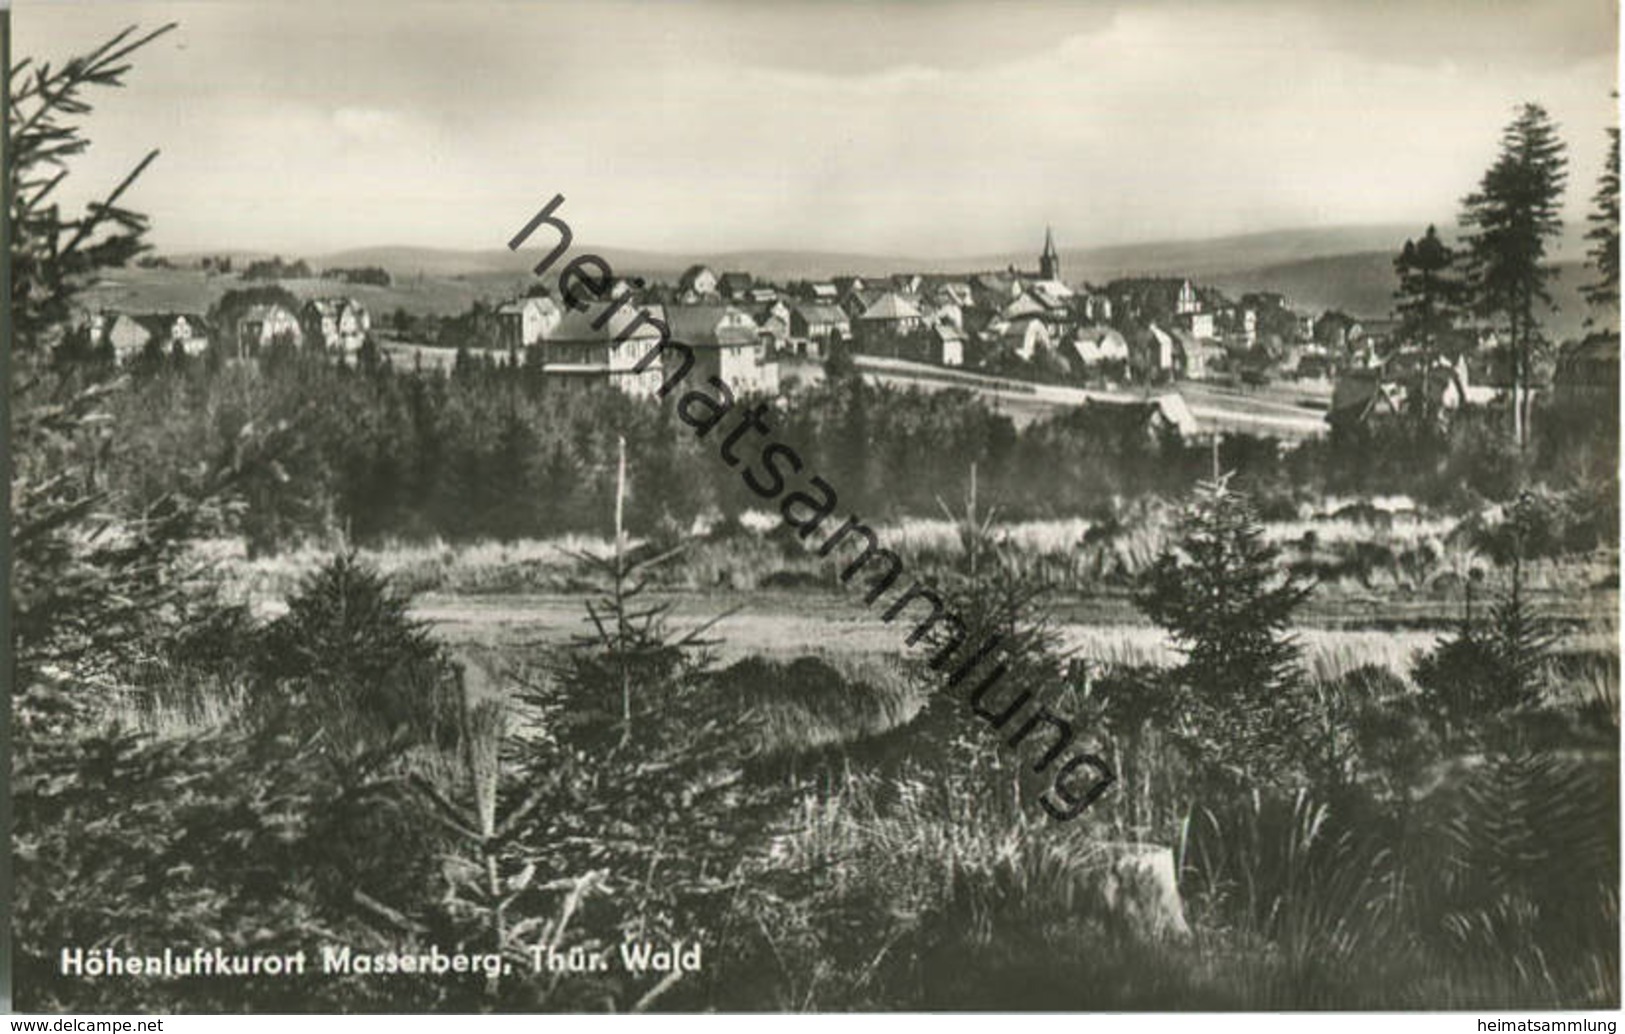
(1505, 35)
(371, 125)
(921, 128)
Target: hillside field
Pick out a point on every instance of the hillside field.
(134, 289)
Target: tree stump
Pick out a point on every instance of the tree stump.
(1135, 886)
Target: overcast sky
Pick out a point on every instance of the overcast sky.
(907, 128)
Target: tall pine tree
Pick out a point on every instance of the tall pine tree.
(1604, 219)
(1512, 214)
(1428, 303)
(1430, 294)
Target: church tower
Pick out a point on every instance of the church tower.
(1049, 263)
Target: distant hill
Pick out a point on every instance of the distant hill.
(1348, 268)
(1190, 258)
(1198, 258)
(773, 265)
(189, 290)
(1202, 258)
(1363, 285)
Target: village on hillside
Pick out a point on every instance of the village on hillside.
(1173, 351)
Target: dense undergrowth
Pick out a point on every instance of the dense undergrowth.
(336, 776)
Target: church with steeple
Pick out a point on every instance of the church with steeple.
(1049, 263)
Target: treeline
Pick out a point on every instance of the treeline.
(495, 450)
(375, 275)
(276, 269)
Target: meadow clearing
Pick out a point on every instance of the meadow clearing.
(1389, 579)
(887, 809)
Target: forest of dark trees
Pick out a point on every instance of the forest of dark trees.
(493, 450)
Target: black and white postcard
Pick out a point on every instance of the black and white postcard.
(743, 506)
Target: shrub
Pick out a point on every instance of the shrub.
(1492, 669)
(1392, 742)
(640, 771)
(1297, 872)
(248, 841)
(1516, 866)
(348, 658)
(1220, 592)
